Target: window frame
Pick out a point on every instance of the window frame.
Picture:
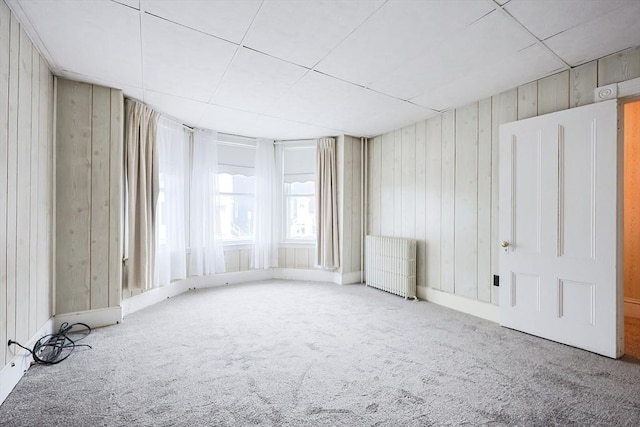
(283, 146)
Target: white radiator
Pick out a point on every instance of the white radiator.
(390, 265)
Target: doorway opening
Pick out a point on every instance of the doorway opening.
(631, 249)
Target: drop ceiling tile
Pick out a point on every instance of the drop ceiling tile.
(304, 32)
(181, 61)
(228, 120)
(525, 66)
(324, 101)
(275, 128)
(185, 110)
(254, 81)
(227, 19)
(545, 18)
(487, 40)
(599, 37)
(396, 33)
(99, 38)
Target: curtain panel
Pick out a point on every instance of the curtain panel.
(207, 252)
(265, 228)
(173, 164)
(327, 245)
(141, 166)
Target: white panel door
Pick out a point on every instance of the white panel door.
(558, 186)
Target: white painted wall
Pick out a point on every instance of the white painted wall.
(26, 187)
(437, 180)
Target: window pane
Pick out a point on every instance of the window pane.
(301, 217)
(236, 183)
(308, 187)
(236, 216)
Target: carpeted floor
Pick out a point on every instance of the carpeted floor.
(307, 354)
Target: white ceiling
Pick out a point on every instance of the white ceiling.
(290, 69)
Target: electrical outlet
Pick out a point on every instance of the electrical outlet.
(496, 280)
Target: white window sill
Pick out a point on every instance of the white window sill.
(297, 244)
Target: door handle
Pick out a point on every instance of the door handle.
(504, 244)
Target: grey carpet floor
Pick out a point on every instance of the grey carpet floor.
(306, 354)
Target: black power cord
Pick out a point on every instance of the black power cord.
(54, 348)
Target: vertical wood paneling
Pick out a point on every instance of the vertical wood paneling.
(407, 187)
(528, 100)
(232, 260)
(619, 67)
(245, 259)
(5, 32)
(582, 82)
(356, 196)
(433, 200)
(25, 186)
(466, 202)
(33, 203)
(73, 197)
(301, 258)
(386, 184)
(375, 186)
(45, 188)
(454, 226)
(290, 257)
(420, 202)
(116, 144)
(397, 183)
(99, 193)
(504, 109)
(282, 257)
(553, 93)
(23, 205)
(447, 237)
(484, 200)
(12, 175)
(347, 204)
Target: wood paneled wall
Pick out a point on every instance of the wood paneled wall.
(348, 159)
(288, 257)
(26, 186)
(437, 180)
(89, 169)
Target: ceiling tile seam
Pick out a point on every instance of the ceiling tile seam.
(23, 19)
(350, 34)
(239, 46)
(303, 123)
(586, 22)
(540, 42)
(365, 87)
(125, 5)
(190, 28)
(481, 18)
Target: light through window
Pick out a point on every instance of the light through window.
(235, 204)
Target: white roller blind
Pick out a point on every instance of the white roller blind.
(236, 159)
(299, 164)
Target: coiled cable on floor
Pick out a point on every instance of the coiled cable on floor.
(54, 348)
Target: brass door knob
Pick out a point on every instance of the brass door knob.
(504, 244)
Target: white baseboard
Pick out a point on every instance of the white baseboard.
(18, 365)
(632, 307)
(476, 308)
(94, 318)
(348, 278)
(305, 275)
(154, 296)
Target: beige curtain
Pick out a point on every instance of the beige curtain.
(327, 249)
(141, 166)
